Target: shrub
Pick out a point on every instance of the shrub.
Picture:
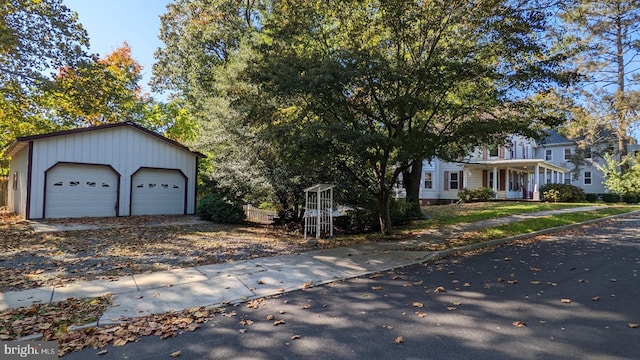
(592, 197)
(218, 209)
(551, 195)
(357, 221)
(480, 194)
(610, 198)
(630, 198)
(566, 193)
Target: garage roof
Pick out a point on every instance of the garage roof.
(21, 142)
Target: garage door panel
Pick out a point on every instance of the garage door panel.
(78, 190)
(158, 192)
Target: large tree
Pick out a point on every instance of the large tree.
(36, 38)
(356, 90)
(382, 84)
(608, 31)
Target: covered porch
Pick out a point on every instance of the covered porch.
(513, 179)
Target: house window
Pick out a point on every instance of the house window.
(548, 155)
(587, 177)
(453, 180)
(567, 178)
(400, 183)
(587, 153)
(567, 154)
(493, 150)
(428, 180)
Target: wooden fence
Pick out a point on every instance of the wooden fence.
(258, 215)
(4, 190)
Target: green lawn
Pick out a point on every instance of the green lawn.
(462, 213)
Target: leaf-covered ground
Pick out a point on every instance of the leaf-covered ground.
(30, 259)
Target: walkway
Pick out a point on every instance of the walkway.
(240, 281)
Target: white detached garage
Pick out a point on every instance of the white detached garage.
(109, 170)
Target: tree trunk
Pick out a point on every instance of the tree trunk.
(383, 211)
(411, 178)
(620, 104)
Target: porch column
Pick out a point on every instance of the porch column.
(536, 184)
(545, 176)
(495, 181)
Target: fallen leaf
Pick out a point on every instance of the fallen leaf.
(399, 340)
(306, 306)
(417, 304)
(295, 337)
(376, 288)
(613, 280)
(102, 352)
(512, 282)
(451, 308)
(466, 284)
(519, 324)
(175, 354)
(456, 303)
(633, 325)
(566, 301)
(270, 317)
(278, 322)
(421, 314)
(595, 298)
(536, 282)
(440, 289)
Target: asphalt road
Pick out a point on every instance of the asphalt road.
(573, 294)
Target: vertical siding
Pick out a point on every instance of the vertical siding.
(17, 199)
(125, 148)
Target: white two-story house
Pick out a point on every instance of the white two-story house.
(514, 171)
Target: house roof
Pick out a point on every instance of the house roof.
(554, 138)
(521, 164)
(21, 142)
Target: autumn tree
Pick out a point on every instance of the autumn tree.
(36, 38)
(97, 91)
(607, 99)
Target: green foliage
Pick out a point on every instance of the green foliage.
(606, 31)
(352, 90)
(467, 195)
(562, 193)
(610, 198)
(630, 198)
(551, 195)
(218, 209)
(622, 183)
(359, 221)
(591, 197)
(36, 38)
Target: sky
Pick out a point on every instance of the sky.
(112, 22)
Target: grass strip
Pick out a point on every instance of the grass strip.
(532, 225)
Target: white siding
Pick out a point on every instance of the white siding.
(17, 199)
(125, 148)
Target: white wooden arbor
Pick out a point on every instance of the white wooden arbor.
(318, 215)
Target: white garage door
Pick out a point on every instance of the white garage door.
(157, 192)
(78, 190)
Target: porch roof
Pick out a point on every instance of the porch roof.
(524, 165)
